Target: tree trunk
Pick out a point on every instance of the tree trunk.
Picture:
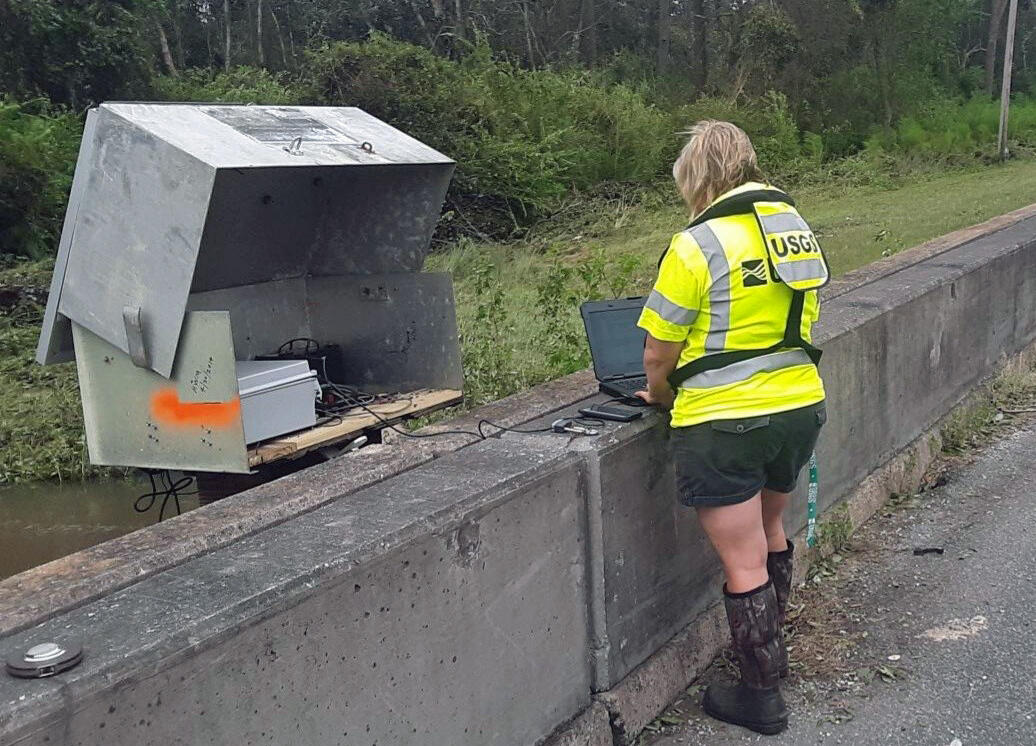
(280, 39)
(665, 35)
(167, 55)
(459, 27)
(421, 23)
(260, 53)
(226, 24)
(208, 44)
(701, 43)
(181, 57)
(590, 23)
(880, 71)
(586, 29)
(996, 22)
(528, 33)
(291, 34)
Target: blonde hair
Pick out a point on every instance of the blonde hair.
(718, 157)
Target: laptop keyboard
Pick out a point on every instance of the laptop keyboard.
(629, 385)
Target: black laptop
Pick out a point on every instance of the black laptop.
(616, 344)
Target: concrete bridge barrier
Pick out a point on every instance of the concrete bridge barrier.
(524, 588)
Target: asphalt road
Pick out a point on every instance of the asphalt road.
(962, 623)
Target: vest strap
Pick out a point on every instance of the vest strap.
(737, 204)
(792, 339)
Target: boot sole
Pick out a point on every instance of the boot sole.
(767, 729)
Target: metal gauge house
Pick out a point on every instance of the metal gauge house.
(199, 238)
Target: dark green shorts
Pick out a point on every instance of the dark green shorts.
(725, 462)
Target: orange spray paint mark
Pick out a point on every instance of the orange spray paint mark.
(167, 408)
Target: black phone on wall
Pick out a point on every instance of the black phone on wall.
(613, 412)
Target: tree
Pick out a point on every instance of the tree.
(226, 29)
(665, 35)
(701, 43)
(76, 53)
(997, 14)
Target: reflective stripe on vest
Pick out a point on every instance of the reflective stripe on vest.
(669, 311)
(742, 371)
(719, 290)
(794, 252)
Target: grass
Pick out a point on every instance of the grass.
(913, 213)
(517, 303)
(1012, 393)
(41, 421)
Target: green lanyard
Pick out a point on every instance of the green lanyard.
(811, 510)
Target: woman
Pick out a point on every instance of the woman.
(728, 352)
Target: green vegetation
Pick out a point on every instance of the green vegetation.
(564, 119)
(522, 138)
(41, 420)
(37, 156)
(1009, 394)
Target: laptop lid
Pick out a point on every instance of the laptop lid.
(616, 342)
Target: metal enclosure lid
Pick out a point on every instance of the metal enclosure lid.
(170, 199)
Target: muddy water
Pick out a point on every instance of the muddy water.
(40, 523)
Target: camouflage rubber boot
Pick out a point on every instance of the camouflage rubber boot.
(780, 566)
(755, 702)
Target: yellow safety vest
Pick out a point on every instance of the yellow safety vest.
(730, 288)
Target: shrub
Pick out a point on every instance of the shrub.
(38, 148)
(78, 52)
(767, 120)
(241, 85)
(522, 138)
(953, 129)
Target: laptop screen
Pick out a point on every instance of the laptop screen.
(616, 342)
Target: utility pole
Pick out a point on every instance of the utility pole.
(1005, 85)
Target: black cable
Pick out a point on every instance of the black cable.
(405, 434)
(351, 398)
(168, 490)
(504, 429)
(288, 348)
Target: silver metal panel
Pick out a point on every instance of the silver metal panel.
(274, 223)
(398, 332)
(227, 136)
(379, 221)
(263, 317)
(136, 238)
(135, 417)
(55, 345)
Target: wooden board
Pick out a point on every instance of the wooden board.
(351, 425)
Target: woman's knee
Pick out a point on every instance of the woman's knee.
(746, 570)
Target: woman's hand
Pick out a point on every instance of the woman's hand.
(663, 399)
(660, 359)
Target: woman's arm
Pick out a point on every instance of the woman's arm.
(660, 359)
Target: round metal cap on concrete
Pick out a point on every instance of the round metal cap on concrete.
(45, 659)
